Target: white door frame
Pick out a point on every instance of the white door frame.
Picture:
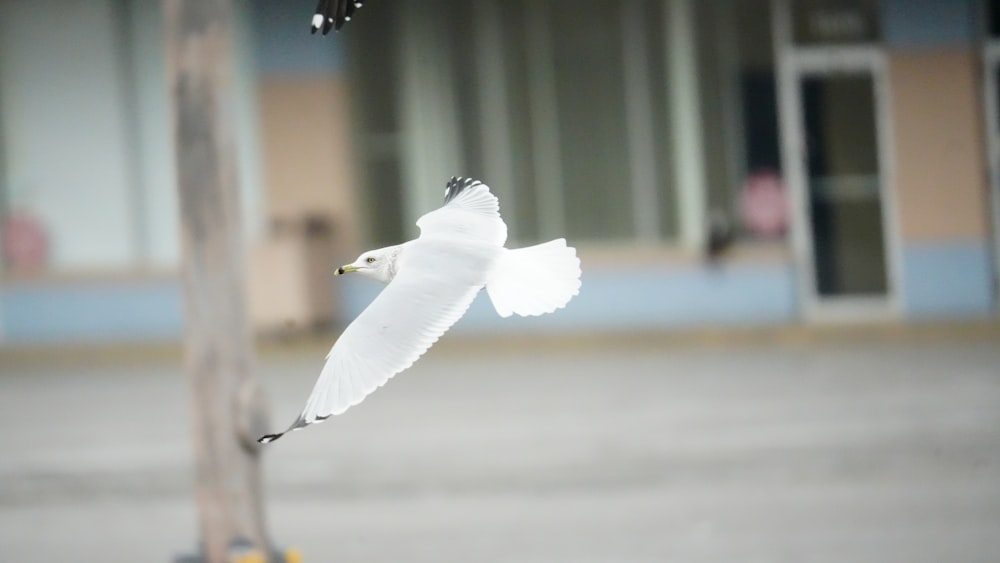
(991, 63)
(794, 63)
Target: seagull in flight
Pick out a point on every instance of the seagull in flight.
(333, 14)
(432, 280)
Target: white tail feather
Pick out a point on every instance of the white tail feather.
(535, 280)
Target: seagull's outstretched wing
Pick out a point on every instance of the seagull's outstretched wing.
(469, 210)
(431, 291)
(333, 14)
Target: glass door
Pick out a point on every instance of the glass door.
(836, 144)
(843, 185)
(836, 148)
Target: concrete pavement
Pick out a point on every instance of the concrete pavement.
(879, 450)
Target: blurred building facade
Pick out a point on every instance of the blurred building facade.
(841, 156)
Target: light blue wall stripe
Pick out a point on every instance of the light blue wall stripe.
(941, 280)
(91, 313)
(950, 279)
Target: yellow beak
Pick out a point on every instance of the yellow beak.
(345, 269)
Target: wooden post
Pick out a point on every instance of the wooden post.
(227, 408)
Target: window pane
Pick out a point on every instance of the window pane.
(739, 100)
(590, 102)
(718, 102)
(458, 18)
(373, 46)
(659, 99)
(66, 139)
(522, 157)
(383, 200)
(844, 200)
(993, 9)
(376, 123)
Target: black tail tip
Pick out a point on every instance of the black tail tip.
(268, 438)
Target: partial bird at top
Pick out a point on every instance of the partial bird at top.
(333, 14)
(432, 280)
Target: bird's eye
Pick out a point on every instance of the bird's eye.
(370, 259)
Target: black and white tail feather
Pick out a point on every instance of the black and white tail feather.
(333, 14)
(381, 343)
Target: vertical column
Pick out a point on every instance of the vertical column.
(685, 113)
(792, 150)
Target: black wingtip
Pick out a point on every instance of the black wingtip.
(299, 423)
(456, 185)
(268, 438)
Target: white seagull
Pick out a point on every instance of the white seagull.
(432, 280)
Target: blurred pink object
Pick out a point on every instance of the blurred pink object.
(25, 243)
(763, 206)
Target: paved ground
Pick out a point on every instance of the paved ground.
(873, 451)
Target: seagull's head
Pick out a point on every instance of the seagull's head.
(379, 264)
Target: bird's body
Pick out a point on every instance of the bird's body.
(432, 280)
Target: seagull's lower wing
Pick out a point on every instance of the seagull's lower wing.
(432, 290)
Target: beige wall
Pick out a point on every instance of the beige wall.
(937, 122)
(308, 159)
(308, 172)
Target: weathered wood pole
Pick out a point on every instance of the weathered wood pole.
(227, 410)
